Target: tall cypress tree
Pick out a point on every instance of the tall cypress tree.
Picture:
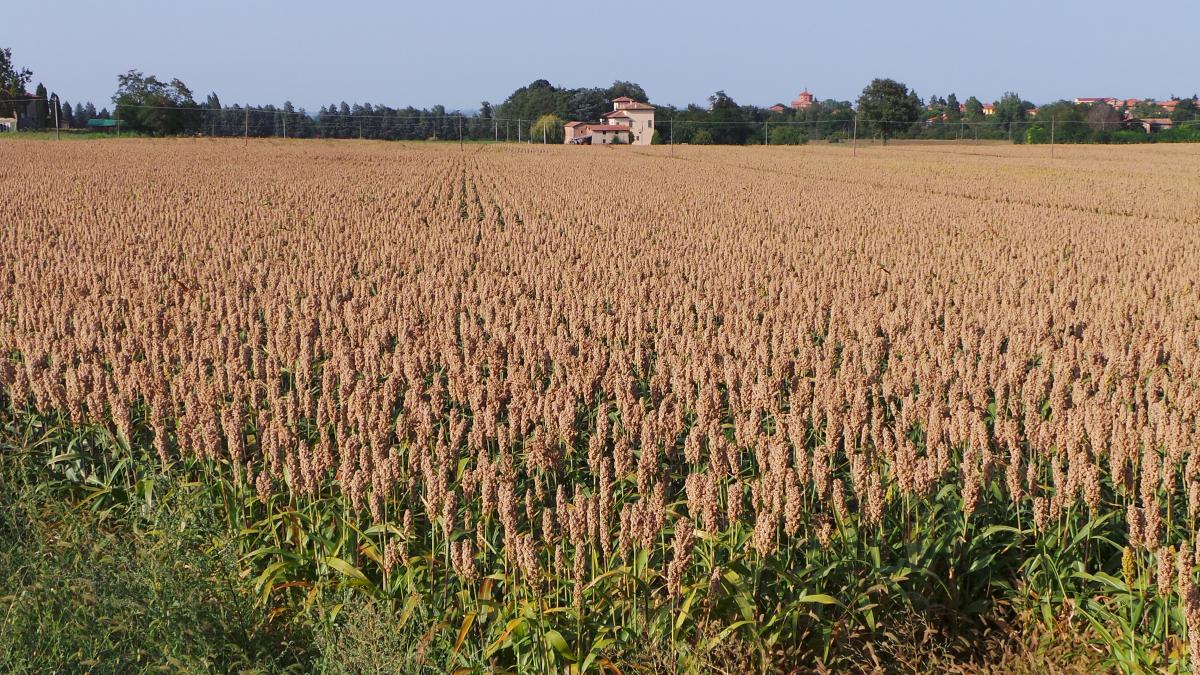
(39, 111)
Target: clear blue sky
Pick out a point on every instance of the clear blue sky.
(459, 53)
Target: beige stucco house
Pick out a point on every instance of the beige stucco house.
(629, 122)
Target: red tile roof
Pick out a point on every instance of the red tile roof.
(607, 127)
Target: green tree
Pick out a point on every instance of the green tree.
(729, 123)
(588, 104)
(631, 89)
(953, 114)
(1186, 110)
(1010, 111)
(534, 100)
(13, 81)
(787, 134)
(974, 109)
(702, 137)
(212, 114)
(1103, 117)
(548, 128)
(1065, 119)
(889, 107)
(55, 113)
(39, 110)
(160, 108)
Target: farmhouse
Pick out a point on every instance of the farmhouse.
(630, 122)
(8, 124)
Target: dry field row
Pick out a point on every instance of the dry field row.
(749, 389)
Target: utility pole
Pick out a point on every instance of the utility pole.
(672, 122)
(57, 130)
(284, 116)
(854, 142)
(961, 124)
(246, 125)
(766, 137)
(543, 134)
(118, 109)
(519, 122)
(460, 138)
(1051, 138)
(496, 129)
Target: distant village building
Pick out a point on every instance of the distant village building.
(989, 108)
(630, 122)
(778, 108)
(804, 100)
(1116, 103)
(8, 124)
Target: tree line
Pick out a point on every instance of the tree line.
(886, 109)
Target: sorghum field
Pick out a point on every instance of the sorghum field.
(379, 407)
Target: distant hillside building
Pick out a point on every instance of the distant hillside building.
(778, 108)
(803, 100)
(630, 122)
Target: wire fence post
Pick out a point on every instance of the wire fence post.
(57, 129)
(854, 140)
(118, 110)
(246, 124)
(1051, 138)
(672, 123)
(460, 138)
(766, 136)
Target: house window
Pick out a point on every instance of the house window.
(650, 124)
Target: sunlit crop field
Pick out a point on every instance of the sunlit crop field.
(575, 407)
